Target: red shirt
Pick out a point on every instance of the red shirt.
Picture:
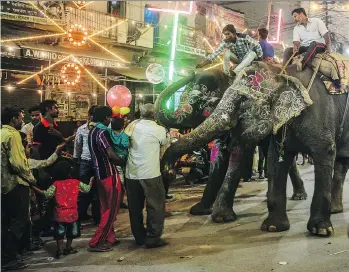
(66, 197)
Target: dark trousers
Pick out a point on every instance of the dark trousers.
(14, 221)
(310, 52)
(85, 199)
(262, 161)
(247, 165)
(153, 192)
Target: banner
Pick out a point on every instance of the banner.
(20, 8)
(89, 61)
(70, 107)
(24, 12)
(190, 41)
(219, 17)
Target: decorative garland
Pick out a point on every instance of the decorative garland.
(75, 32)
(66, 72)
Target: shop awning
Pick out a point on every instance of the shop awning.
(132, 72)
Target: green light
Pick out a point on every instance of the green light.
(173, 46)
(168, 104)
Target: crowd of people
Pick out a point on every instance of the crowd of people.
(46, 193)
(110, 156)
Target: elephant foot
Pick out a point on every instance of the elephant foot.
(275, 224)
(223, 214)
(200, 209)
(320, 226)
(299, 195)
(336, 208)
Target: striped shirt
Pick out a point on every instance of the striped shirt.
(81, 150)
(241, 47)
(98, 142)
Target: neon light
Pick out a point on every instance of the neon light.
(94, 34)
(174, 33)
(173, 46)
(278, 29)
(51, 20)
(174, 10)
(211, 67)
(54, 64)
(33, 37)
(93, 77)
(279, 26)
(107, 50)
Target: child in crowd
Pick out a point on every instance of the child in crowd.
(65, 190)
(121, 143)
(31, 240)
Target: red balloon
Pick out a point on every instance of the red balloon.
(119, 96)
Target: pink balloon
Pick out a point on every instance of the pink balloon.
(119, 96)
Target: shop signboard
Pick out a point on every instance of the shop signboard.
(190, 41)
(10, 51)
(25, 12)
(56, 56)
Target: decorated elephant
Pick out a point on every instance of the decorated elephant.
(202, 93)
(260, 103)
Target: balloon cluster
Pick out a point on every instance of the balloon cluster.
(119, 98)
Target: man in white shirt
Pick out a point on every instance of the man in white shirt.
(28, 128)
(143, 178)
(310, 36)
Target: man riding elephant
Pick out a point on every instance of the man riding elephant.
(310, 36)
(242, 49)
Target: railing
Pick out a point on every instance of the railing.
(130, 31)
(94, 21)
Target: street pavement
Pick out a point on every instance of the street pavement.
(197, 244)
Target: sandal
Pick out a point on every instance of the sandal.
(70, 250)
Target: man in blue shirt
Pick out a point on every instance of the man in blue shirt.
(267, 48)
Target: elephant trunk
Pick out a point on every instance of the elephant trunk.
(160, 103)
(223, 119)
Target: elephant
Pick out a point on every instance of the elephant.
(260, 103)
(202, 93)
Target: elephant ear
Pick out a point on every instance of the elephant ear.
(256, 84)
(288, 101)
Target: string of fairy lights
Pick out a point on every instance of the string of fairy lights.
(78, 35)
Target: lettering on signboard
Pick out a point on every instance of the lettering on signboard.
(89, 61)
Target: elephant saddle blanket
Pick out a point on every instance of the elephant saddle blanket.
(334, 69)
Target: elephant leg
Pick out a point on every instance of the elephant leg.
(320, 212)
(218, 168)
(223, 206)
(277, 219)
(299, 192)
(340, 171)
